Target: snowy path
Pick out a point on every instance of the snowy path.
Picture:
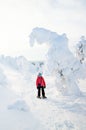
(53, 113)
(57, 114)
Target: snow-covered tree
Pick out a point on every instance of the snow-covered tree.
(81, 49)
(61, 63)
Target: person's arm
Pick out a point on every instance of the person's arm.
(44, 83)
(37, 82)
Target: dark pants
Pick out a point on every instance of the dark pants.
(39, 91)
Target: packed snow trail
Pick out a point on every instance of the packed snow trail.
(55, 112)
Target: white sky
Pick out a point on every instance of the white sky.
(19, 17)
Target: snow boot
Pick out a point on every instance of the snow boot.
(44, 97)
(39, 97)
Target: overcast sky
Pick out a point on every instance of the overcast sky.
(19, 17)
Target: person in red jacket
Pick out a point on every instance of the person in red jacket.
(40, 84)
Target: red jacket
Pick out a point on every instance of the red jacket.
(40, 80)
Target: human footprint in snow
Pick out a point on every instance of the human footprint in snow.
(41, 85)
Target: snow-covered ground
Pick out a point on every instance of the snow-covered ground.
(21, 110)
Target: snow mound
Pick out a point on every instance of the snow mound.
(19, 105)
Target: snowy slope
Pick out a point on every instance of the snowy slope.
(15, 114)
(21, 110)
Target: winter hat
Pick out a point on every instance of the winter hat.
(40, 74)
